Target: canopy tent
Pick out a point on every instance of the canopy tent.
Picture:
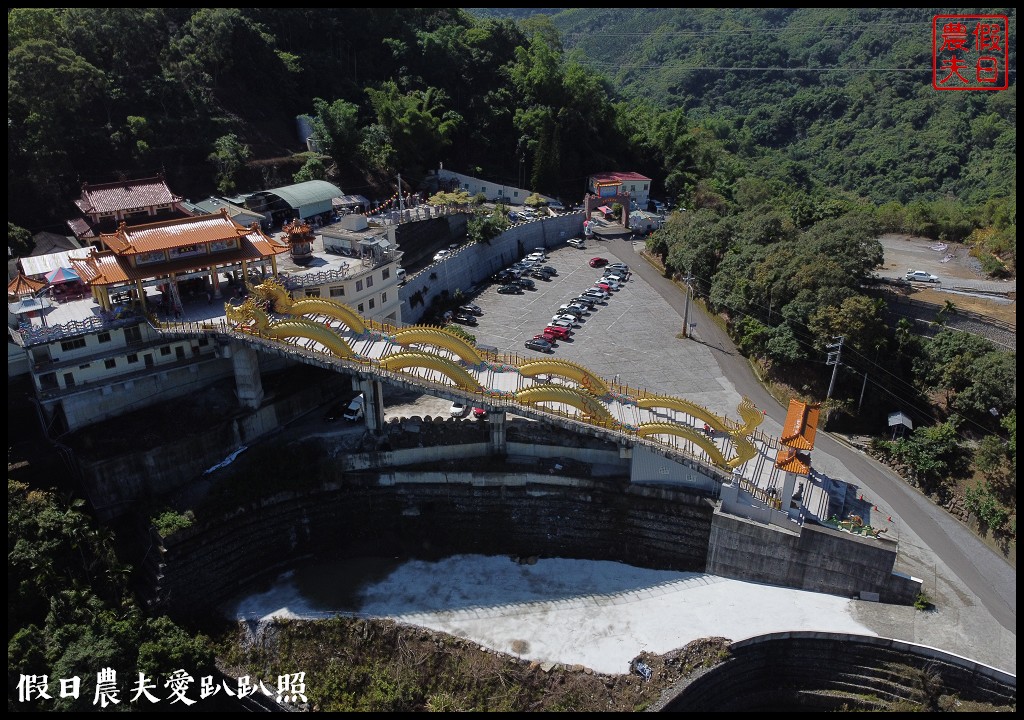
(61, 275)
(605, 209)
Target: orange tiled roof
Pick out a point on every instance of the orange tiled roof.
(106, 268)
(789, 460)
(181, 232)
(124, 196)
(801, 425)
(22, 285)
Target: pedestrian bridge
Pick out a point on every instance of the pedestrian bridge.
(442, 363)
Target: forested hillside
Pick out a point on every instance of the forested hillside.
(791, 137)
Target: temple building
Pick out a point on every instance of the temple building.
(186, 256)
(106, 205)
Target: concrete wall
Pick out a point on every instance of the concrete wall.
(832, 672)
(808, 558)
(474, 263)
(371, 515)
(114, 484)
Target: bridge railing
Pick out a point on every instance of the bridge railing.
(482, 397)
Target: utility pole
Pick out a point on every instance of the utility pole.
(862, 389)
(686, 309)
(835, 350)
(401, 205)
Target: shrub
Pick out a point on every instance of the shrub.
(169, 522)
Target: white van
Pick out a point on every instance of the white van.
(354, 411)
(400, 274)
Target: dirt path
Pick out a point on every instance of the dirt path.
(960, 270)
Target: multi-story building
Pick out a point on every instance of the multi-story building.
(117, 349)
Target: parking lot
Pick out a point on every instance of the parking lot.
(632, 338)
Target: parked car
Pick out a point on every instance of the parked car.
(526, 283)
(549, 336)
(464, 318)
(559, 331)
(598, 262)
(570, 318)
(540, 275)
(596, 293)
(618, 266)
(441, 254)
(589, 302)
(539, 344)
(571, 309)
(503, 276)
(549, 270)
(615, 277)
(567, 323)
(354, 411)
(920, 276)
(479, 413)
(576, 243)
(459, 409)
(471, 309)
(510, 290)
(535, 257)
(607, 287)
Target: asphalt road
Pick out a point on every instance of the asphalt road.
(976, 566)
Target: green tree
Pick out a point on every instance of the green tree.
(336, 128)
(19, 241)
(229, 157)
(313, 169)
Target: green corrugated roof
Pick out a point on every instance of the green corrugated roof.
(310, 192)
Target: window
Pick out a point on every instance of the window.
(312, 292)
(72, 344)
(385, 273)
(369, 282)
(359, 285)
(383, 298)
(69, 380)
(165, 350)
(110, 363)
(483, 188)
(84, 367)
(371, 303)
(645, 186)
(337, 292)
(133, 358)
(103, 337)
(133, 334)
(359, 307)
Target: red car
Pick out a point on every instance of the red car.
(479, 413)
(549, 336)
(598, 262)
(559, 332)
(604, 286)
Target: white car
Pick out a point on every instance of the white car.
(567, 324)
(571, 319)
(535, 257)
(596, 293)
(441, 254)
(617, 266)
(576, 243)
(920, 276)
(459, 409)
(615, 277)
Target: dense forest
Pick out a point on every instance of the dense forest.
(787, 139)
